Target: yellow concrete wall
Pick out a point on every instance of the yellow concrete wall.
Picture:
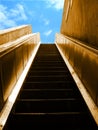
(17, 46)
(84, 61)
(80, 20)
(14, 33)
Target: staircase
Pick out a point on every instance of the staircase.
(49, 97)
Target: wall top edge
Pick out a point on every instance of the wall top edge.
(13, 28)
(81, 43)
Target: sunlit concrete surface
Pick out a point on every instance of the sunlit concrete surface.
(80, 20)
(17, 52)
(12, 97)
(14, 33)
(64, 46)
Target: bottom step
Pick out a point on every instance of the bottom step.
(67, 121)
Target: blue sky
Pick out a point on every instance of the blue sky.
(44, 16)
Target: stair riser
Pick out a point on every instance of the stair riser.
(48, 78)
(46, 68)
(48, 106)
(46, 73)
(48, 85)
(31, 94)
(51, 121)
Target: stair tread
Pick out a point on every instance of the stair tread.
(56, 99)
(53, 113)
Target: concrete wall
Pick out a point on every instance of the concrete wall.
(17, 45)
(80, 20)
(84, 61)
(14, 33)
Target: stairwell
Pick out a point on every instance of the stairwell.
(49, 97)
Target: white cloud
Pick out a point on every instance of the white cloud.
(48, 33)
(10, 17)
(21, 11)
(57, 4)
(46, 21)
(2, 16)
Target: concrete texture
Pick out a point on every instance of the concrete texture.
(14, 33)
(17, 45)
(80, 21)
